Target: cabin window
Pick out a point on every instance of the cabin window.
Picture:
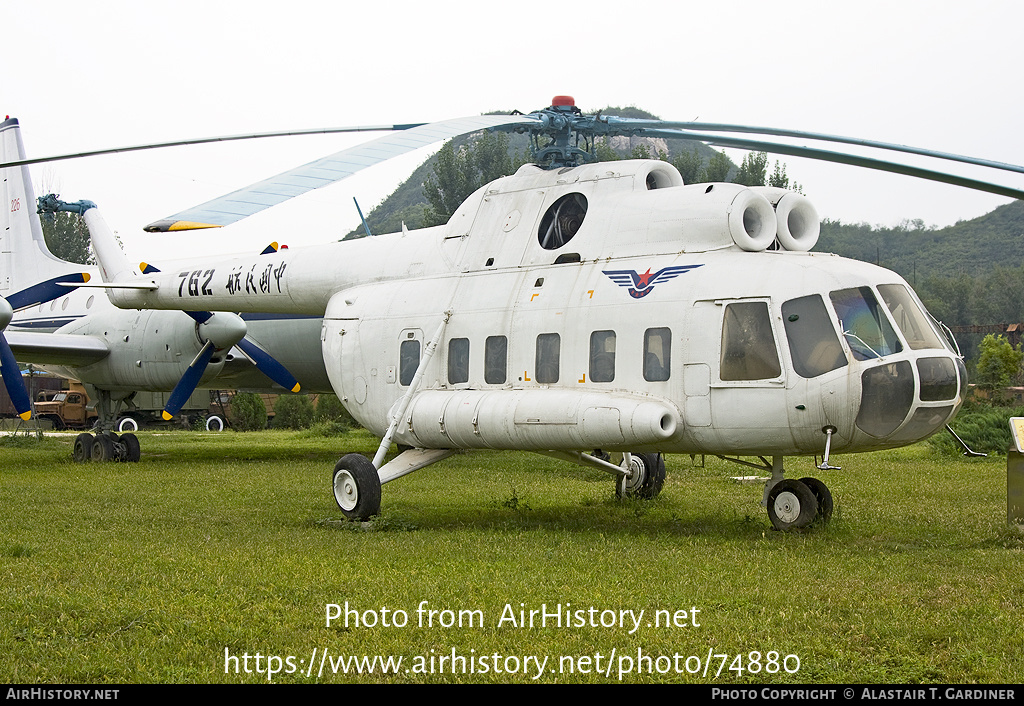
(864, 324)
(548, 348)
(813, 342)
(909, 316)
(458, 361)
(495, 360)
(602, 356)
(748, 344)
(562, 220)
(657, 354)
(408, 361)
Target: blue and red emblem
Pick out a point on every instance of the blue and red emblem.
(641, 284)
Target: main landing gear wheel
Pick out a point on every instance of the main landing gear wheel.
(133, 451)
(102, 448)
(356, 487)
(83, 448)
(647, 476)
(791, 505)
(824, 498)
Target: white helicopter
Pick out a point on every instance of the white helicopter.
(70, 328)
(603, 313)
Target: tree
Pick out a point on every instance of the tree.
(718, 168)
(998, 363)
(689, 165)
(753, 169)
(459, 171)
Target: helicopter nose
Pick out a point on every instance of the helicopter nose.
(890, 392)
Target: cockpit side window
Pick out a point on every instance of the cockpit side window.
(865, 326)
(813, 343)
(748, 344)
(911, 320)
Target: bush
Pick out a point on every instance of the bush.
(331, 411)
(984, 429)
(248, 412)
(293, 412)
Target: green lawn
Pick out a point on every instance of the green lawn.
(215, 547)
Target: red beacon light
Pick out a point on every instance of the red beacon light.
(563, 102)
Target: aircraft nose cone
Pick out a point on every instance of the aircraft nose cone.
(6, 313)
(223, 329)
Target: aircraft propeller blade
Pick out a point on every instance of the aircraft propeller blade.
(268, 366)
(219, 331)
(9, 367)
(189, 382)
(263, 361)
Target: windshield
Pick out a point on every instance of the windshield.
(909, 317)
(864, 324)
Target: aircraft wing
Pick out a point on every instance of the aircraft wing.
(257, 197)
(56, 348)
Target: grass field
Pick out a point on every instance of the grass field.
(215, 547)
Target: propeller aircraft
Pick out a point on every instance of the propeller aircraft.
(51, 316)
(601, 313)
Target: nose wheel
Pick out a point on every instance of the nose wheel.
(797, 504)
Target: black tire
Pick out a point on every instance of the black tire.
(791, 505)
(133, 450)
(102, 448)
(647, 479)
(83, 448)
(824, 497)
(356, 487)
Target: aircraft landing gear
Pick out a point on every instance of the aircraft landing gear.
(83, 448)
(646, 477)
(791, 505)
(356, 487)
(106, 447)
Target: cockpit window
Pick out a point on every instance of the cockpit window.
(562, 220)
(748, 344)
(864, 324)
(909, 317)
(812, 337)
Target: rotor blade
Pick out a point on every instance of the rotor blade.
(642, 125)
(840, 158)
(206, 140)
(13, 381)
(254, 198)
(188, 383)
(268, 366)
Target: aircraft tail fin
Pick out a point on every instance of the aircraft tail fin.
(24, 257)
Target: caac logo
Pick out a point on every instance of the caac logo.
(641, 284)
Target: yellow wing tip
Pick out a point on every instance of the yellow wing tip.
(167, 226)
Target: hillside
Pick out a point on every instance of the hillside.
(973, 247)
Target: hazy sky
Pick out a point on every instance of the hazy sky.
(939, 75)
